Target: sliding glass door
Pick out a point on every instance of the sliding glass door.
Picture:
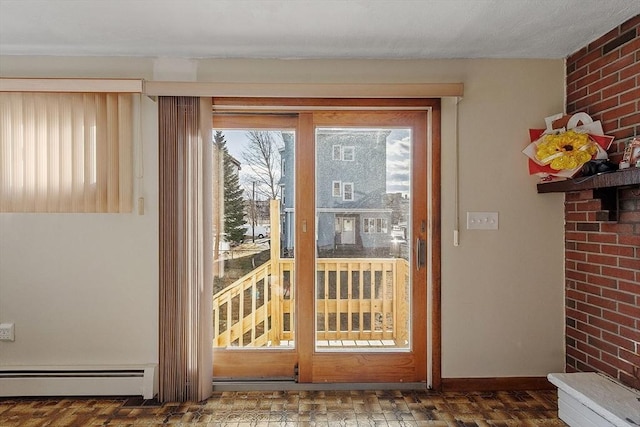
(337, 289)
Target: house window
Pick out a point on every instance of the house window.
(337, 188)
(375, 225)
(348, 154)
(347, 191)
(283, 167)
(337, 152)
(66, 152)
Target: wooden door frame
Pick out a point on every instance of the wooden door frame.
(305, 260)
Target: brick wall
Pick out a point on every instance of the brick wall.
(602, 246)
(603, 80)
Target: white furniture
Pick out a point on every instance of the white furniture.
(588, 399)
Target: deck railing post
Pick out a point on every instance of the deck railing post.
(277, 300)
(402, 304)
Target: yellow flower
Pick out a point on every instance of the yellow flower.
(567, 150)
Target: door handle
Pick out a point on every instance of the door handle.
(421, 253)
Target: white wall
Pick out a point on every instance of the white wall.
(502, 291)
(82, 289)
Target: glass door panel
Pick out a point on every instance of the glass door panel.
(363, 215)
(253, 297)
(254, 277)
(368, 272)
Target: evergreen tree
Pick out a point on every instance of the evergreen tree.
(233, 201)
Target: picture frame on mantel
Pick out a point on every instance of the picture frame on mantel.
(632, 152)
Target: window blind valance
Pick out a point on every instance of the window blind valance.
(305, 90)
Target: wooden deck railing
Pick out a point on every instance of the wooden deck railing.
(356, 299)
(241, 311)
(361, 299)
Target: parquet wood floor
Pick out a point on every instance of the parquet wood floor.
(294, 408)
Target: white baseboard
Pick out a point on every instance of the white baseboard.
(130, 380)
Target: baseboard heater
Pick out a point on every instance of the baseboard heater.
(75, 381)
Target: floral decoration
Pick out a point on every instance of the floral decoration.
(567, 143)
(567, 150)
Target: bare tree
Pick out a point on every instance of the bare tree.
(262, 156)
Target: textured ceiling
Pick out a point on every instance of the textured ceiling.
(308, 28)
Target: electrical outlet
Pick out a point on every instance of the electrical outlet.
(482, 220)
(7, 332)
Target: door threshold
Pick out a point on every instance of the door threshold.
(294, 386)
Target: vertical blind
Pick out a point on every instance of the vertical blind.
(66, 152)
(186, 255)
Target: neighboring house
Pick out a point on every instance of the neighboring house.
(220, 242)
(287, 192)
(353, 215)
(235, 163)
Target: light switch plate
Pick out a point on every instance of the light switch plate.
(482, 220)
(6, 332)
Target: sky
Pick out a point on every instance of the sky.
(236, 142)
(399, 161)
(398, 158)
